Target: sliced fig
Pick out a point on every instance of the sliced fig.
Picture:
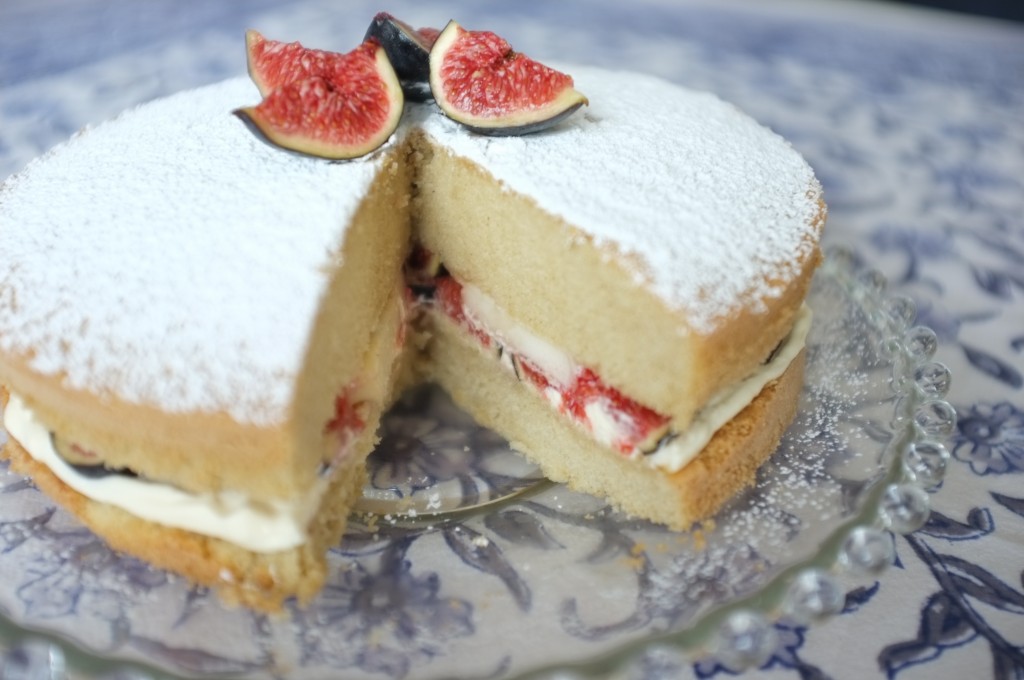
(477, 79)
(329, 105)
(409, 51)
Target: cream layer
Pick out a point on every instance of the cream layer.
(259, 525)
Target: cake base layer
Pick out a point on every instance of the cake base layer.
(261, 581)
(251, 578)
(729, 463)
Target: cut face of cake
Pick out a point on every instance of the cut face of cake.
(199, 332)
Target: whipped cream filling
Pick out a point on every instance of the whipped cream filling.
(259, 525)
(554, 362)
(601, 418)
(684, 446)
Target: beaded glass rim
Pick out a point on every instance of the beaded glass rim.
(740, 634)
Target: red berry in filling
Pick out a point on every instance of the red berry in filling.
(449, 296)
(349, 418)
(637, 420)
(637, 424)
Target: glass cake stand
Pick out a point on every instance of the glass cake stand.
(463, 561)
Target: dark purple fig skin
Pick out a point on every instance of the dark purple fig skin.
(527, 129)
(408, 52)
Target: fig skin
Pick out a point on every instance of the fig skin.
(525, 128)
(496, 59)
(409, 52)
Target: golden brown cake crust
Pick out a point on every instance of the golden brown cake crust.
(258, 580)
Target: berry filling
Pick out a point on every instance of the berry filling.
(448, 296)
(610, 416)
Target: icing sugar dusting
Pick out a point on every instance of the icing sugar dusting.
(711, 204)
(172, 258)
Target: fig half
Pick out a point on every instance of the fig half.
(409, 51)
(478, 80)
(320, 103)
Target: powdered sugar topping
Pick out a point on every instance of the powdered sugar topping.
(710, 205)
(172, 258)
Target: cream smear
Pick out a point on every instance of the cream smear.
(262, 526)
(605, 425)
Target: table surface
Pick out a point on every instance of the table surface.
(913, 120)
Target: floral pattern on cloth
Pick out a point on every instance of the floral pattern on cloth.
(915, 133)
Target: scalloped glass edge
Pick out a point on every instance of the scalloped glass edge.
(738, 635)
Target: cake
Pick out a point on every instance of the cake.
(199, 332)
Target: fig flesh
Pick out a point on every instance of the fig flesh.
(409, 51)
(272, 63)
(320, 103)
(478, 80)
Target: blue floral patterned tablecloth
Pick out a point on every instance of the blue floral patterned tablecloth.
(913, 120)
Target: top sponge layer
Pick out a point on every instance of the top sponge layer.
(170, 258)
